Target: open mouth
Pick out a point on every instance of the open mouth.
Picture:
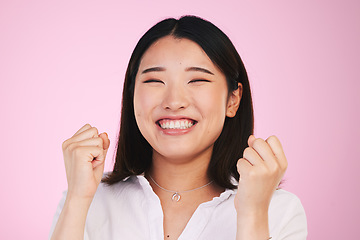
(176, 124)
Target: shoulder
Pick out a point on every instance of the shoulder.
(283, 198)
(284, 202)
(122, 190)
(126, 199)
(128, 184)
(287, 216)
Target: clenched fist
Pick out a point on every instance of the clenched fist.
(261, 170)
(84, 156)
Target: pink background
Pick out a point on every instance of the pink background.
(62, 65)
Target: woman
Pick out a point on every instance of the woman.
(187, 166)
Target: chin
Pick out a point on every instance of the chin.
(184, 154)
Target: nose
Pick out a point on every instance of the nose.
(175, 98)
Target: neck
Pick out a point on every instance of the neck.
(180, 175)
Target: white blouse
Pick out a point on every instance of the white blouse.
(131, 210)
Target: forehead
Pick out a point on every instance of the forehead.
(170, 49)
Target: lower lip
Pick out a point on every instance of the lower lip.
(175, 132)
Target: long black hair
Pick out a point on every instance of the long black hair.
(134, 153)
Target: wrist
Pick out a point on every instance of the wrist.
(76, 203)
(72, 219)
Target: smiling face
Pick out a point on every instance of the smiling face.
(181, 99)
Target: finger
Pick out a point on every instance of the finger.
(88, 133)
(106, 142)
(99, 160)
(105, 139)
(243, 166)
(278, 151)
(97, 142)
(251, 139)
(83, 128)
(98, 168)
(83, 154)
(263, 149)
(252, 156)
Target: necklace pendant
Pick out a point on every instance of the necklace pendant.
(176, 197)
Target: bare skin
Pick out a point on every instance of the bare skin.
(190, 175)
(261, 169)
(178, 214)
(84, 156)
(252, 206)
(170, 87)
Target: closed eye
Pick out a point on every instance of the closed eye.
(199, 81)
(153, 81)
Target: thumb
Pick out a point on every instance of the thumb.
(251, 140)
(106, 141)
(101, 158)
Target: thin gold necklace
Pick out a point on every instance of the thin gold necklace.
(176, 194)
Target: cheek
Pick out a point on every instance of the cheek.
(142, 102)
(141, 111)
(213, 103)
(145, 102)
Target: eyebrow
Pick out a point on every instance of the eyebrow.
(198, 69)
(153, 69)
(161, 69)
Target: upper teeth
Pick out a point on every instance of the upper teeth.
(176, 124)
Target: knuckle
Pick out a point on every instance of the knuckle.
(239, 163)
(99, 141)
(71, 147)
(247, 151)
(258, 142)
(94, 130)
(65, 144)
(285, 166)
(76, 150)
(272, 139)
